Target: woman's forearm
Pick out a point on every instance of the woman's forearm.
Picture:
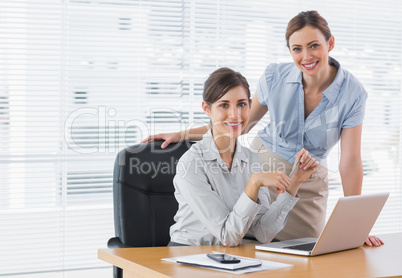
(352, 178)
(252, 189)
(194, 134)
(350, 166)
(293, 187)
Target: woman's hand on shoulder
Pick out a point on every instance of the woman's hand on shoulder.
(172, 137)
(306, 167)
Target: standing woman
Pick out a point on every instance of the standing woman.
(221, 190)
(313, 103)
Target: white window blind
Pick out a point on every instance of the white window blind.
(79, 80)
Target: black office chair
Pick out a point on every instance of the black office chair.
(143, 195)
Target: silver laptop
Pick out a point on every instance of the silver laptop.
(348, 227)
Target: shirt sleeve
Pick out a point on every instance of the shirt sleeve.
(264, 84)
(271, 220)
(356, 114)
(229, 227)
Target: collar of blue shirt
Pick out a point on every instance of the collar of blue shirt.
(332, 92)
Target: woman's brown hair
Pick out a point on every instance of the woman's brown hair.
(308, 18)
(220, 82)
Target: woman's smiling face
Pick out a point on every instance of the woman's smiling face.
(310, 50)
(229, 114)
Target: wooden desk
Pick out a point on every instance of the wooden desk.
(361, 262)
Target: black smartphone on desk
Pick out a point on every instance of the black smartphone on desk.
(223, 258)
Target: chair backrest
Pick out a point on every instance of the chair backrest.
(143, 193)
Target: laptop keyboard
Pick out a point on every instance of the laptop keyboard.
(304, 247)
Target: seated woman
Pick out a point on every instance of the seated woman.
(220, 186)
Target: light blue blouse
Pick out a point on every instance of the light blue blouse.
(342, 106)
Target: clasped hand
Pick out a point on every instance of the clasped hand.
(282, 182)
(306, 167)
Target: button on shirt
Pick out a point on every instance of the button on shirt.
(213, 208)
(342, 106)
